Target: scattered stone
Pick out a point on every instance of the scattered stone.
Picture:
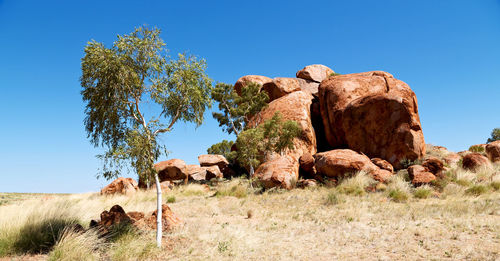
(419, 175)
(126, 186)
(315, 72)
(473, 161)
(434, 166)
(493, 151)
(383, 164)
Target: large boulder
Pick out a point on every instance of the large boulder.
(344, 162)
(295, 106)
(213, 172)
(420, 175)
(173, 169)
(372, 113)
(493, 151)
(281, 171)
(473, 161)
(306, 162)
(196, 172)
(452, 159)
(209, 160)
(243, 81)
(434, 166)
(315, 72)
(126, 186)
(280, 87)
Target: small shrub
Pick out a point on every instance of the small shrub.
(134, 247)
(334, 74)
(405, 163)
(74, 245)
(171, 199)
(355, 185)
(423, 192)
(495, 185)
(476, 148)
(332, 198)
(234, 188)
(398, 189)
(223, 246)
(398, 195)
(477, 190)
(440, 183)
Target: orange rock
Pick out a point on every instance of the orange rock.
(345, 162)
(315, 72)
(280, 87)
(173, 169)
(419, 175)
(169, 219)
(307, 183)
(383, 164)
(243, 81)
(493, 151)
(295, 106)
(452, 158)
(208, 160)
(434, 166)
(120, 185)
(213, 172)
(306, 162)
(196, 172)
(473, 161)
(373, 113)
(281, 172)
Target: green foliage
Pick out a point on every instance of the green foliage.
(398, 195)
(40, 236)
(119, 80)
(477, 190)
(236, 110)
(334, 74)
(476, 148)
(405, 163)
(495, 135)
(333, 198)
(273, 135)
(223, 148)
(423, 192)
(171, 199)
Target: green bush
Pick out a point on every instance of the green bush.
(171, 199)
(477, 190)
(476, 148)
(423, 192)
(332, 198)
(398, 195)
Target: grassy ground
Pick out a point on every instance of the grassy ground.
(456, 219)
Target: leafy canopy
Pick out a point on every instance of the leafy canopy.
(117, 84)
(495, 135)
(236, 110)
(273, 135)
(223, 148)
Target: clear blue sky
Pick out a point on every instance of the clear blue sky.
(448, 51)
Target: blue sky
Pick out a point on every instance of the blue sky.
(448, 51)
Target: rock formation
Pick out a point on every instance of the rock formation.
(493, 151)
(120, 185)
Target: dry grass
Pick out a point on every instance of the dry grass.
(343, 222)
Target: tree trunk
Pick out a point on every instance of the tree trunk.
(251, 171)
(159, 230)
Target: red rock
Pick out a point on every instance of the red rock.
(243, 81)
(213, 172)
(116, 215)
(309, 86)
(381, 175)
(372, 113)
(493, 151)
(307, 183)
(164, 185)
(463, 153)
(282, 171)
(169, 219)
(434, 166)
(196, 172)
(295, 106)
(383, 164)
(419, 175)
(342, 162)
(120, 185)
(208, 160)
(474, 161)
(173, 169)
(315, 72)
(280, 87)
(306, 162)
(452, 159)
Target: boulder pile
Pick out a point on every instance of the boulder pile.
(117, 215)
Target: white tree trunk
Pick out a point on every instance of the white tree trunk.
(251, 171)
(159, 230)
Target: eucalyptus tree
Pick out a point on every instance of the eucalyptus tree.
(495, 135)
(134, 92)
